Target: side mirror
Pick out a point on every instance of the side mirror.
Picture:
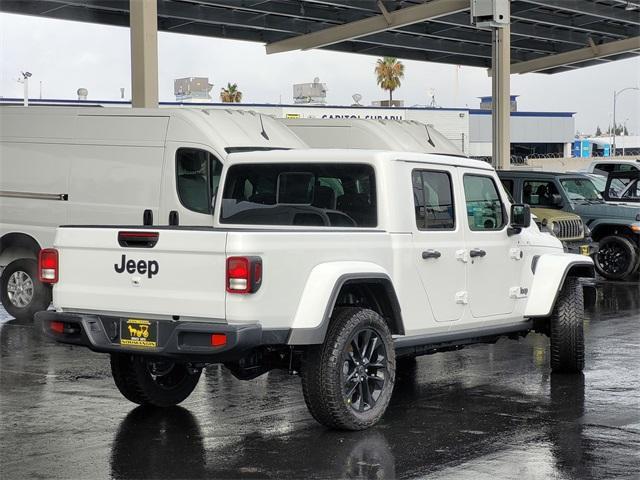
(556, 199)
(520, 218)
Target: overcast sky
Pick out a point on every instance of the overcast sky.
(67, 55)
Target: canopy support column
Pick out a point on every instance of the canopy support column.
(143, 22)
(501, 97)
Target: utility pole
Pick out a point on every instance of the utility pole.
(615, 99)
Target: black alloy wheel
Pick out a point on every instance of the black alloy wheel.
(617, 258)
(364, 369)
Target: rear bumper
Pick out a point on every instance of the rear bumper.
(575, 246)
(187, 341)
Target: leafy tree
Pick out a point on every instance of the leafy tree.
(231, 94)
(389, 72)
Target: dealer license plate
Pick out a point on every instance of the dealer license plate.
(139, 333)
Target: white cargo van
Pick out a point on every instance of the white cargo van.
(75, 165)
(378, 134)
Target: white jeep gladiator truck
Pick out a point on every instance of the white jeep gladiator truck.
(330, 263)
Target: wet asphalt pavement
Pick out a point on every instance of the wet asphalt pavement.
(490, 411)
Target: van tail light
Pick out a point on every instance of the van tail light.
(48, 265)
(244, 274)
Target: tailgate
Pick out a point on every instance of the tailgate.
(126, 271)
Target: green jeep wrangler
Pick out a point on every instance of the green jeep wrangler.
(616, 227)
(565, 226)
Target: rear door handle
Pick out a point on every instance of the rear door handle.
(431, 254)
(476, 252)
(147, 217)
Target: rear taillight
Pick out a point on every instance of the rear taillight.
(48, 265)
(244, 274)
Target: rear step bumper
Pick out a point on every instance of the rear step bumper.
(187, 341)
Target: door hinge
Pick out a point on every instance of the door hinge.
(462, 297)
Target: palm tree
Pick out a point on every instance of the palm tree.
(231, 94)
(389, 72)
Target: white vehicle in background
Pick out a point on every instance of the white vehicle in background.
(331, 263)
(372, 134)
(607, 165)
(74, 165)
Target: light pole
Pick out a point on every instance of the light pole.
(25, 83)
(615, 99)
(624, 130)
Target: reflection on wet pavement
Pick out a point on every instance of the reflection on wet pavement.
(490, 411)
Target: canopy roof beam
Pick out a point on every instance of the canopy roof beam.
(367, 26)
(586, 54)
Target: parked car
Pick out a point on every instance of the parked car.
(329, 263)
(63, 165)
(565, 226)
(608, 165)
(616, 227)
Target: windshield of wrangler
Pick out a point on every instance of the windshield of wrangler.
(301, 194)
(581, 189)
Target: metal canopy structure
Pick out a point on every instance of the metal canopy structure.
(545, 36)
(602, 30)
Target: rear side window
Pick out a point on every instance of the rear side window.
(433, 200)
(540, 193)
(197, 178)
(604, 167)
(313, 195)
(484, 207)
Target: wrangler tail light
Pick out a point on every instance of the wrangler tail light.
(244, 274)
(48, 265)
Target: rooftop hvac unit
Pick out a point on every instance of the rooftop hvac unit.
(315, 92)
(192, 88)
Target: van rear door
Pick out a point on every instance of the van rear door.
(161, 273)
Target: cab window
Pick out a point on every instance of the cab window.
(540, 193)
(303, 194)
(197, 178)
(433, 200)
(484, 207)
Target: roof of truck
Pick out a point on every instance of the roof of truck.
(352, 155)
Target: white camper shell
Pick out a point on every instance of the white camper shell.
(376, 134)
(75, 165)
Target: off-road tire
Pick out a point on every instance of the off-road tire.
(41, 293)
(133, 378)
(629, 250)
(321, 371)
(567, 335)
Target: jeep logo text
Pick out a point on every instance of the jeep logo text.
(150, 268)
